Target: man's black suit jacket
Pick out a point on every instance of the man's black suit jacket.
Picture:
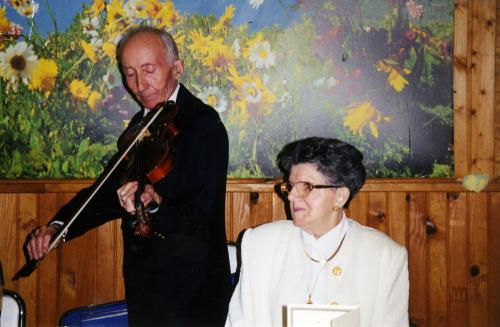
(182, 279)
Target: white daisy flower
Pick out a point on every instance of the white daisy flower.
(251, 92)
(90, 26)
(255, 3)
(261, 55)
(17, 62)
(236, 48)
(112, 78)
(96, 43)
(331, 82)
(28, 9)
(135, 8)
(214, 97)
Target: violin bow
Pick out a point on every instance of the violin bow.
(31, 265)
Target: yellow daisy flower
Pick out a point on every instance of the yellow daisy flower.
(110, 50)
(4, 22)
(167, 16)
(180, 39)
(219, 56)
(395, 78)
(44, 76)
(94, 100)
(224, 20)
(200, 44)
(89, 51)
(360, 115)
(116, 21)
(97, 7)
(79, 89)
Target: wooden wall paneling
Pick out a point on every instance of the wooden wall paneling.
(106, 285)
(477, 297)
(482, 87)
(8, 241)
(67, 270)
(461, 87)
(417, 256)
(260, 208)
(358, 208)
(497, 95)
(240, 218)
(86, 268)
(28, 219)
(278, 208)
(377, 211)
(47, 302)
(437, 301)
(494, 259)
(457, 263)
(120, 291)
(228, 210)
(397, 217)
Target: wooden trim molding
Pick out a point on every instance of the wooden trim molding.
(256, 185)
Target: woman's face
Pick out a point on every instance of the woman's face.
(315, 213)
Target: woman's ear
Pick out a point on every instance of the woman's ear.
(342, 195)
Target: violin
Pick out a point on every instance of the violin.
(151, 160)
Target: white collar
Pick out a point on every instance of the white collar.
(322, 248)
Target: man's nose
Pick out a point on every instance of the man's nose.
(142, 83)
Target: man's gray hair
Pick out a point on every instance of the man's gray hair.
(168, 41)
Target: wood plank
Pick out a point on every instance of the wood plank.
(358, 208)
(377, 211)
(105, 282)
(397, 216)
(228, 210)
(478, 262)
(241, 218)
(457, 273)
(9, 240)
(278, 208)
(120, 291)
(482, 87)
(437, 302)
(494, 260)
(261, 208)
(67, 269)
(47, 272)
(461, 87)
(86, 268)
(417, 257)
(497, 96)
(28, 220)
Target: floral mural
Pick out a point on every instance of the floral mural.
(375, 73)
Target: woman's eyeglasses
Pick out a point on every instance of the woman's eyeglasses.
(303, 188)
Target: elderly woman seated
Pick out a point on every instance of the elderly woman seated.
(322, 256)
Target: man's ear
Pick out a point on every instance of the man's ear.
(342, 195)
(178, 68)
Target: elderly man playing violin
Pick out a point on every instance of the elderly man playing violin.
(177, 274)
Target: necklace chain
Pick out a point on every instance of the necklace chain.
(309, 297)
